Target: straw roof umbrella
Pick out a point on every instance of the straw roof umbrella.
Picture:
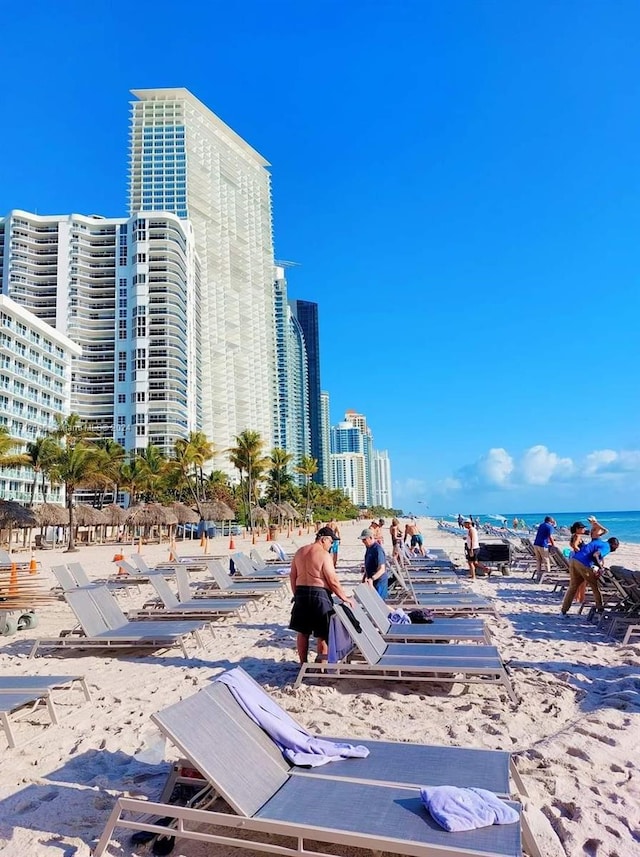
(87, 516)
(259, 514)
(216, 510)
(184, 514)
(290, 511)
(14, 515)
(50, 515)
(274, 511)
(114, 515)
(151, 515)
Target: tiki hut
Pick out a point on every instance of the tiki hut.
(149, 517)
(217, 510)
(259, 515)
(14, 516)
(291, 514)
(185, 515)
(115, 516)
(50, 515)
(90, 518)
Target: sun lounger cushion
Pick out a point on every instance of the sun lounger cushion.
(297, 745)
(458, 809)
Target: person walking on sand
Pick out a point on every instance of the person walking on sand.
(541, 544)
(313, 580)
(375, 568)
(412, 531)
(335, 547)
(581, 568)
(576, 542)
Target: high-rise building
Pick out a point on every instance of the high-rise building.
(359, 421)
(35, 383)
(382, 479)
(291, 405)
(307, 314)
(325, 434)
(348, 474)
(185, 160)
(126, 290)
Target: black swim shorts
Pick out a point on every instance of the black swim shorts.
(311, 613)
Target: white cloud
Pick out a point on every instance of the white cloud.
(538, 466)
(605, 462)
(495, 467)
(408, 490)
(449, 485)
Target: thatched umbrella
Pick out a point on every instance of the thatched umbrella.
(50, 515)
(184, 514)
(115, 515)
(151, 515)
(217, 510)
(259, 514)
(15, 516)
(290, 512)
(87, 516)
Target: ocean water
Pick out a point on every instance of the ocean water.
(623, 525)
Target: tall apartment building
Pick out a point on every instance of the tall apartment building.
(382, 495)
(127, 291)
(291, 404)
(185, 160)
(349, 475)
(325, 442)
(35, 385)
(307, 314)
(359, 421)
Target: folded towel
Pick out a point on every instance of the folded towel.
(399, 617)
(297, 745)
(340, 644)
(458, 809)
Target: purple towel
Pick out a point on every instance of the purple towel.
(297, 745)
(458, 809)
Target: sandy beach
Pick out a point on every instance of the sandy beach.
(573, 733)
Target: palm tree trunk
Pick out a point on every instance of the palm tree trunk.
(71, 546)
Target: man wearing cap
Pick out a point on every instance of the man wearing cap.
(472, 548)
(375, 569)
(313, 580)
(581, 569)
(541, 544)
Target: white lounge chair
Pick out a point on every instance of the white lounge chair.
(23, 694)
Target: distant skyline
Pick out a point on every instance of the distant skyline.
(459, 184)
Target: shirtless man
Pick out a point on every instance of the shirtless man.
(413, 530)
(313, 580)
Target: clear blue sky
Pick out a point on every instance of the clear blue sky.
(458, 179)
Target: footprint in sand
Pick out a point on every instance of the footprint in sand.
(577, 753)
(604, 739)
(489, 729)
(591, 846)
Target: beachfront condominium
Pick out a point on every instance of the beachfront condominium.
(348, 474)
(185, 160)
(382, 495)
(307, 314)
(291, 403)
(126, 290)
(35, 386)
(325, 439)
(359, 421)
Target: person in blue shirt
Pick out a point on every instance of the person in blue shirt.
(375, 569)
(541, 544)
(581, 569)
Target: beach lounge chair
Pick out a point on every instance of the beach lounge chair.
(264, 797)
(427, 662)
(103, 625)
(245, 568)
(170, 607)
(244, 588)
(471, 630)
(18, 693)
(451, 602)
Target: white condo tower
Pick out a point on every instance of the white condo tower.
(185, 160)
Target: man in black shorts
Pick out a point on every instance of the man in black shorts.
(313, 580)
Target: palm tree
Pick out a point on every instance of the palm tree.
(69, 430)
(9, 446)
(74, 466)
(279, 474)
(247, 457)
(185, 468)
(131, 476)
(40, 453)
(307, 467)
(151, 464)
(111, 457)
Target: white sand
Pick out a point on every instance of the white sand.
(574, 733)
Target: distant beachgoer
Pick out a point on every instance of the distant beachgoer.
(375, 569)
(412, 531)
(335, 547)
(597, 530)
(580, 568)
(460, 520)
(541, 544)
(472, 550)
(380, 533)
(515, 523)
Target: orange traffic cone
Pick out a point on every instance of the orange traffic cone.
(202, 540)
(232, 544)
(13, 580)
(268, 539)
(33, 565)
(206, 545)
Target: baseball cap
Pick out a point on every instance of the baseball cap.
(367, 534)
(323, 532)
(578, 526)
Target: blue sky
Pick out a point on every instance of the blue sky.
(458, 180)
